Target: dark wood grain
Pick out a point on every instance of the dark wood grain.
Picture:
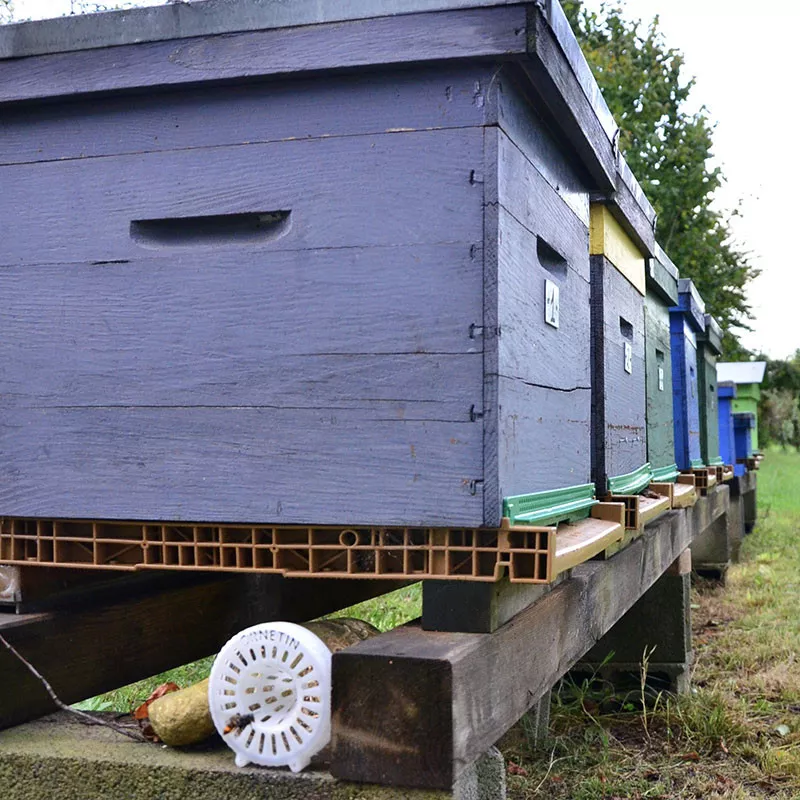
(709, 404)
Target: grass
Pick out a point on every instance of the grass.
(737, 735)
(385, 612)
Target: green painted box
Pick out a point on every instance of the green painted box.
(662, 293)
(709, 349)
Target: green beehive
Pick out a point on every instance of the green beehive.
(709, 348)
(747, 375)
(662, 292)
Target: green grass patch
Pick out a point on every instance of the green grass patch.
(384, 612)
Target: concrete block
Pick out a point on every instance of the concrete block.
(58, 758)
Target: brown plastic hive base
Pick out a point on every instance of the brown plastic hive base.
(640, 509)
(527, 554)
(464, 554)
(703, 479)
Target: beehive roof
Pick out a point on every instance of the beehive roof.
(741, 371)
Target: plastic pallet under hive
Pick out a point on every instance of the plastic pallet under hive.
(527, 554)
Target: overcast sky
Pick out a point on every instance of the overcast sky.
(744, 56)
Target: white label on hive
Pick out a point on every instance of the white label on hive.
(661, 379)
(551, 306)
(628, 357)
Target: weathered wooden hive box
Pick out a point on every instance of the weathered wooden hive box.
(687, 320)
(618, 351)
(747, 375)
(662, 294)
(305, 264)
(709, 348)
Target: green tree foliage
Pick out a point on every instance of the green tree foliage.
(779, 408)
(669, 151)
(6, 11)
(779, 417)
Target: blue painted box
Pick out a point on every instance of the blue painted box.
(270, 277)
(743, 424)
(726, 393)
(709, 348)
(687, 320)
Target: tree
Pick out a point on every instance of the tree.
(779, 417)
(668, 150)
(6, 11)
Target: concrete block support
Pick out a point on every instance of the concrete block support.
(735, 526)
(745, 486)
(657, 629)
(538, 720)
(711, 550)
(57, 758)
(486, 780)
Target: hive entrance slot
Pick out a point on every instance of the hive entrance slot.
(214, 230)
(550, 258)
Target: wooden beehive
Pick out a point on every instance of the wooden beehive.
(270, 277)
(747, 375)
(709, 349)
(662, 294)
(744, 423)
(687, 320)
(619, 438)
(726, 393)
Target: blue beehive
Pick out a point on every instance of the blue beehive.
(709, 348)
(743, 424)
(687, 319)
(726, 393)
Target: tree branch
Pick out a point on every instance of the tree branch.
(89, 719)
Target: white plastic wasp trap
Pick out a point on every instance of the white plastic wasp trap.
(270, 695)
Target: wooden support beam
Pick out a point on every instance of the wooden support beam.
(415, 708)
(89, 650)
(32, 589)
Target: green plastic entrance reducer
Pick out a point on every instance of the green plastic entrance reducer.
(697, 463)
(666, 474)
(551, 507)
(631, 483)
(716, 462)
